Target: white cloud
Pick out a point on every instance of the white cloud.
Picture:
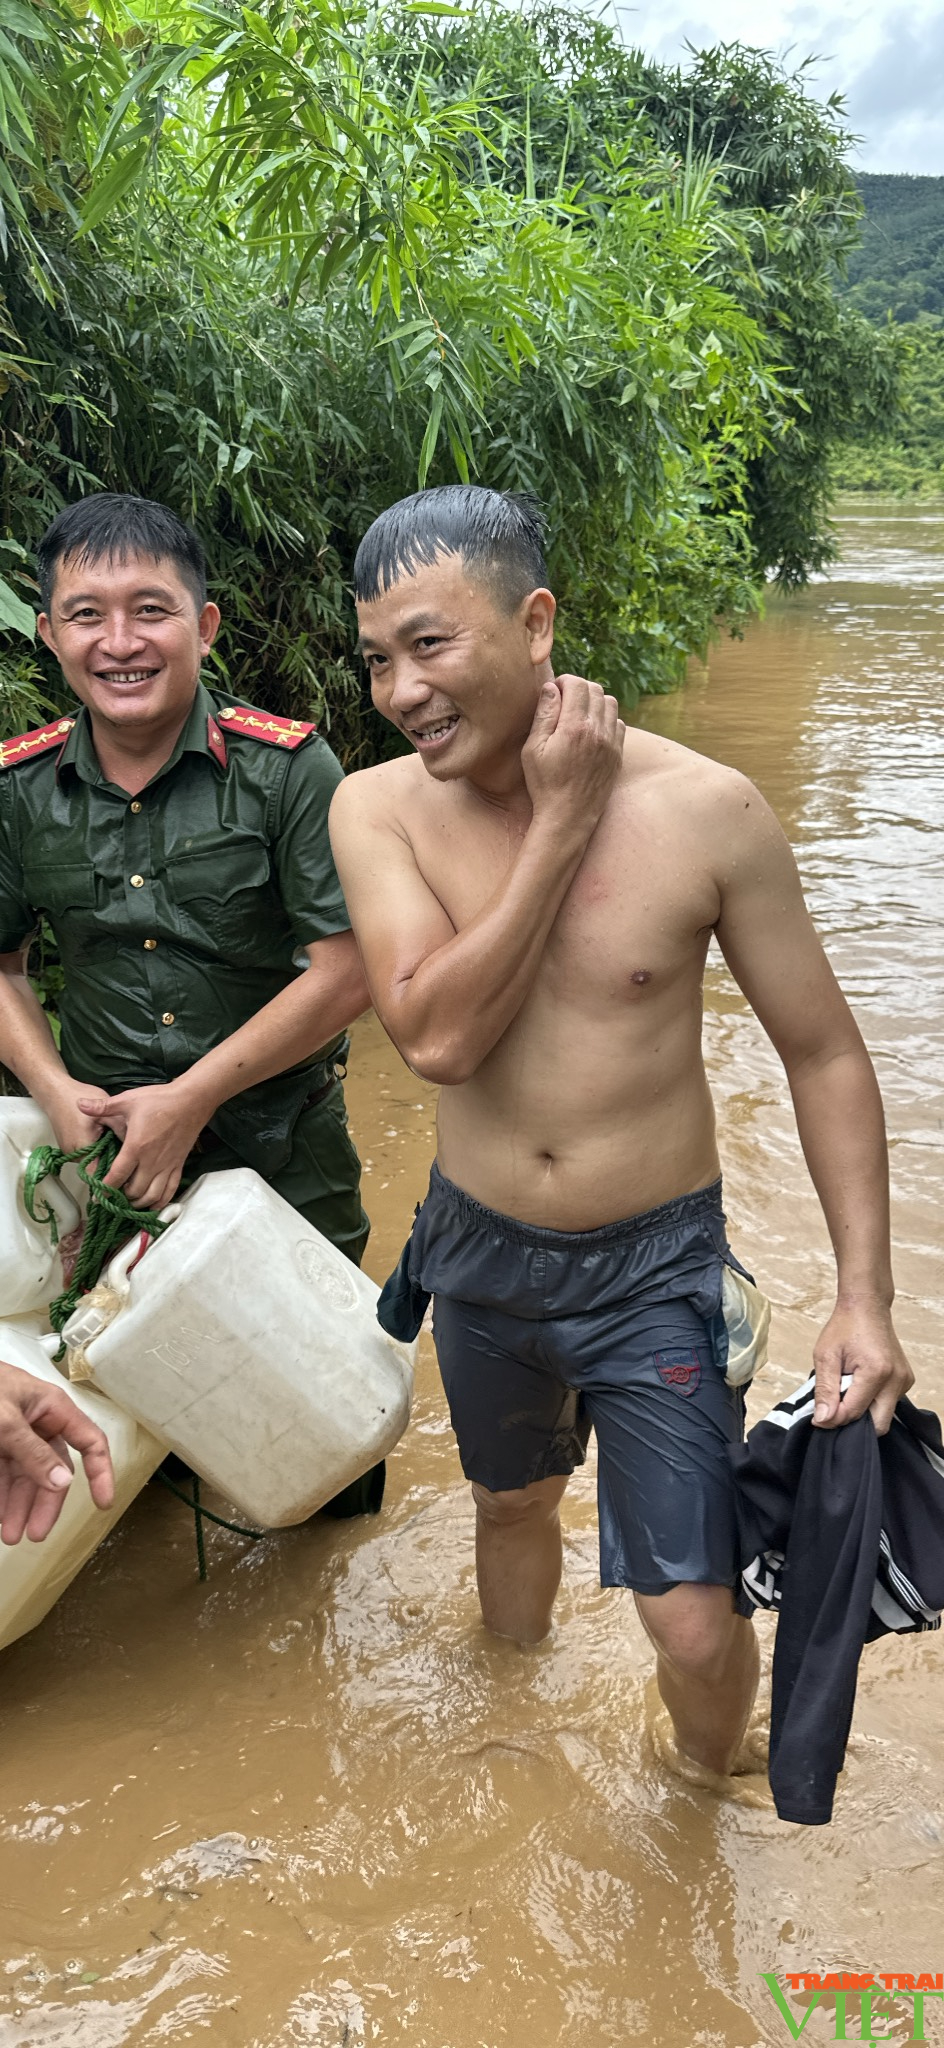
(889, 66)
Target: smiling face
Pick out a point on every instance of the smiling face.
(454, 671)
(129, 639)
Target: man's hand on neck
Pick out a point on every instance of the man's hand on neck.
(446, 996)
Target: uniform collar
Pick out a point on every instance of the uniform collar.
(200, 735)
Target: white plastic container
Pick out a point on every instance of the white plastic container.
(30, 1266)
(32, 1575)
(251, 1345)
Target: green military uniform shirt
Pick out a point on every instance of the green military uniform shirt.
(177, 912)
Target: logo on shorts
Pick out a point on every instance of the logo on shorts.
(680, 1370)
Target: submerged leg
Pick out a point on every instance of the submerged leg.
(707, 1668)
(518, 1557)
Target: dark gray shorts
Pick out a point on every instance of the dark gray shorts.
(543, 1335)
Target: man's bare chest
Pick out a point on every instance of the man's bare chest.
(637, 914)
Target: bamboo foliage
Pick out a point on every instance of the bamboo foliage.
(277, 266)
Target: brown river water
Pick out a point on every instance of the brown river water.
(311, 1802)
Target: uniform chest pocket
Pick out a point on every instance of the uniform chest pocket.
(76, 902)
(56, 886)
(224, 898)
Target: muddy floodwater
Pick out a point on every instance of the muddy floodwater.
(311, 1802)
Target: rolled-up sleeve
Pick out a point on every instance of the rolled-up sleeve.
(301, 850)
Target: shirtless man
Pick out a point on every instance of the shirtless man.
(534, 890)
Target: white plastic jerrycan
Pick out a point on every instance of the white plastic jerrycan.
(251, 1345)
(30, 1265)
(32, 1575)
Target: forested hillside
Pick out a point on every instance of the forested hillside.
(897, 273)
(899, 266)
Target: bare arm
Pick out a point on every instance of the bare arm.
(159, 1125)
(445, 997)
(768, 939)
(28, 1048)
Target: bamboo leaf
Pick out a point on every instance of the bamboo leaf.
(15, 616)
(114, 186)
(339, 249)
(22, 20)
(430, 438)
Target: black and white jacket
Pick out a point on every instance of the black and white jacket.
(842, 1532)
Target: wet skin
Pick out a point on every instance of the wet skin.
(534, 900)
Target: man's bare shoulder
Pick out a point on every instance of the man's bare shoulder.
(651, 758)
(380, 793)
(663, 772)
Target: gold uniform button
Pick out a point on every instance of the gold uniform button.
(168, 1017)
(137, 881)
(150, 945)
(136, 806)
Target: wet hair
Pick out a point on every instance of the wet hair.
(113, 526)
(500, 533)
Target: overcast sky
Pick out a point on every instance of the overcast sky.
(886, 59)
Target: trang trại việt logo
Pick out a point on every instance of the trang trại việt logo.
(856, 2001)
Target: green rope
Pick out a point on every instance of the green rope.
(198, 1530)
(202, 1514)
(112, 1218)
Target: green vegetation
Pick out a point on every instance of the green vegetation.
(897, 275)
(898, 268)
(278, 266)
(912, 458)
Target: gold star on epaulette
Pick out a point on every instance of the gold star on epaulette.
(257, 725)
(27, 745)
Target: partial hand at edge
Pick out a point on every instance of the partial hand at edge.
(861, 1341)
(38, 1421)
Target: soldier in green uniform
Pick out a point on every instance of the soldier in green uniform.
(176, 840)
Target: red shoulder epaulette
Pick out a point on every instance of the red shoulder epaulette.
(273, 732)
(27, 744)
